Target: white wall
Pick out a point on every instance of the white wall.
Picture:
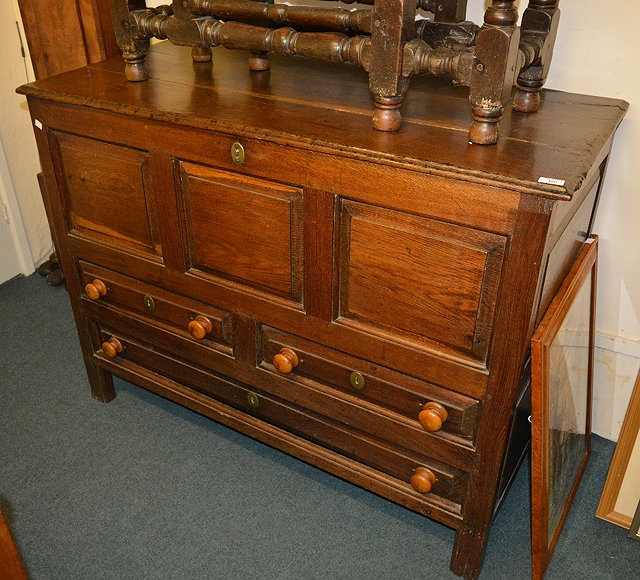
(16, 136)
(596, 53)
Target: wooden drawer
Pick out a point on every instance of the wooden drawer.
(116, 350)
(383, 410)
(181, 316)
(371, 383)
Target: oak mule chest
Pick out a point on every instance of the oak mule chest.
(246, 245)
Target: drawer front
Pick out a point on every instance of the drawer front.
(106, 189)
(181, 316)
(115, 349)
(411, 279)
(373, 384)
(371, 413)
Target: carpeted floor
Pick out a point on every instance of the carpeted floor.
(142, 488)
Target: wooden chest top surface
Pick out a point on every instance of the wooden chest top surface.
(315, 105)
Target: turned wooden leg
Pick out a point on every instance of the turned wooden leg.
(133, 49)
(135, 69)
(386, 116)
(393, 24)
(484, 127)
(526, 99)
(493, 75)
(259, 61)
(539, 28)
(201, 54)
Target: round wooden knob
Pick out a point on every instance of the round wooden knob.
(423, 479)
(432, 416)
(285, 361)
(199, 327)
(112, 348)
(95, 289)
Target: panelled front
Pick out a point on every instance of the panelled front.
(241, 233)
(391, 374)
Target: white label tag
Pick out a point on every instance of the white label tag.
(589, 240)
(38, 124)
(551, 181)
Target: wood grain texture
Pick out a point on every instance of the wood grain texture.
(64, 35)
(263, 220)
(332, 113)
(418, 278)
(383, 387)
(544, 532)
(174, 311)
(105, 189)
(511, 341)
(11, 564)
(413, 260)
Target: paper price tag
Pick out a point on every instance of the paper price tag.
(551, 181)
(38, 124)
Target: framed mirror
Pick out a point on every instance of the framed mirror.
(561, 383)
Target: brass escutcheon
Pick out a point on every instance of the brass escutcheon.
(237, 153)
(149, 303)
(253, 400)
(357, 380)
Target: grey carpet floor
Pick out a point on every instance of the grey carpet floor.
(142, 488)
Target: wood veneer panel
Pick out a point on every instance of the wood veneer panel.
(105, 192)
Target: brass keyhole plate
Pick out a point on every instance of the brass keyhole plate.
(149, 303)
(237, 153)
(357, 380)
(253, 400)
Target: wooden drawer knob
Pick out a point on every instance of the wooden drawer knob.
(433, 416)
(423, 479)
(285, 361)
(112, 348)
(199, 327)
(95, 289)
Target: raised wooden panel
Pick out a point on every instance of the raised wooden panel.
(244, 230)
(417, 280)
(105, 193)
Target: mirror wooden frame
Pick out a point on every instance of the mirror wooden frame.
(622, 464)
(544, 539)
